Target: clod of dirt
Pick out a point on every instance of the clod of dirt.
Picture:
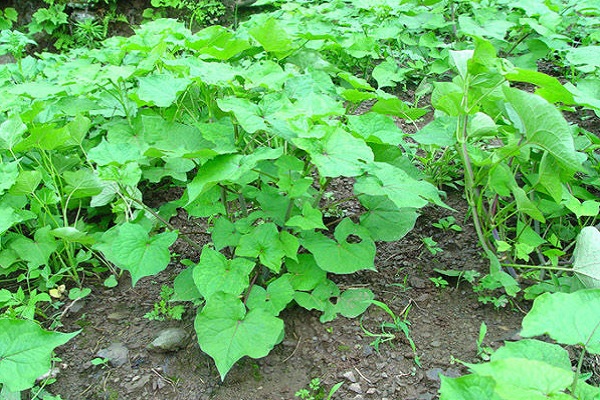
(117, 354)
(171, 339)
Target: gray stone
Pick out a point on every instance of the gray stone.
(433, 374)
(355, 387)
(117, 354)
(171, 339)
(350, 376)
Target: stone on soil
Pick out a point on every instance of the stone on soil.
(117, 354)
(171, 339)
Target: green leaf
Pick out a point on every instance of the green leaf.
(81, 183)
(524, 379)
(351, 304)
(226, 332)
(337, 154)
(394, 183)
(184, 287)
(107, 153)
(398, 108)
(27, 182)
(384, 220)
(376, 128)
(548, 86)
(318, 299)
(388, 73)
(160, 90)
(586, 257)
(248, 114)
(532, 349)
(311, 218)
(305, 274)
(8, 218)
(25, 352)
(9, 173)
(215, 273)
(278, 295)
(341, 256)
(218, 42)
(543, 126)
(568, 318)
(130, 248)
(468, 387)
(263, 243)
(440, 132)
(36, 252)
(273, 38)
(11, 131)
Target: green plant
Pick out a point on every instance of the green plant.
(163, 310)
(431, 245)
(14, 43)
(388, 329)
(203, 12)
(532, 369)
(315, 391)
(439, 282)
(98, 361)
(8, 16)
(447, 223)
(483, 351)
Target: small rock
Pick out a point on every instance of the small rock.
(372, 391)
(436, 343)
(350, 376)
(452, 373)
(433, 374)
(425, 396)
(417, 282)
(355, 387)
(116, 353)
(358, 397)
(116, 316)
(367, 350)
(52, 373)
(170, 339)
(138, 384)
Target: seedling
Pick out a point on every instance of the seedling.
(431, 245)
(439, 282)
(99, 361)
(316, 391)
(447, 224)
(483, 351)
(163, 310)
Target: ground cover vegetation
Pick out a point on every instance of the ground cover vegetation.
(254, 122)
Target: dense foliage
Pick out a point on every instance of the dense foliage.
(256, 123)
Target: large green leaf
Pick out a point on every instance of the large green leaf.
(525, 379)
(272, 37)
(226, 332)
(403, 190)
(384, 220)
(341, 256)
(468, 387)
(25, 352)
(130, 248)
(543, 126)
(568, 318)
(586, 257)
(161, 90)
(338, 153)
(215, 273)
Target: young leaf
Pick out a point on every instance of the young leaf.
(227, 332)
(568, 318)
(25, 351)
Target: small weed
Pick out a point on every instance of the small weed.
(398, 324)
(431, 245)
(447, 224)
(162, 310)
(316, 391)
(103, 362)
(483, 351)
(439, 282)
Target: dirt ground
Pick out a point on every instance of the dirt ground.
(444, 324)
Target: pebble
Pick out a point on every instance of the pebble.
(116, 316)
(350, 376)
(436, 343)
(170, 339)
(355, 387)
(116, 353)
(138, 384)
(417, 282)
